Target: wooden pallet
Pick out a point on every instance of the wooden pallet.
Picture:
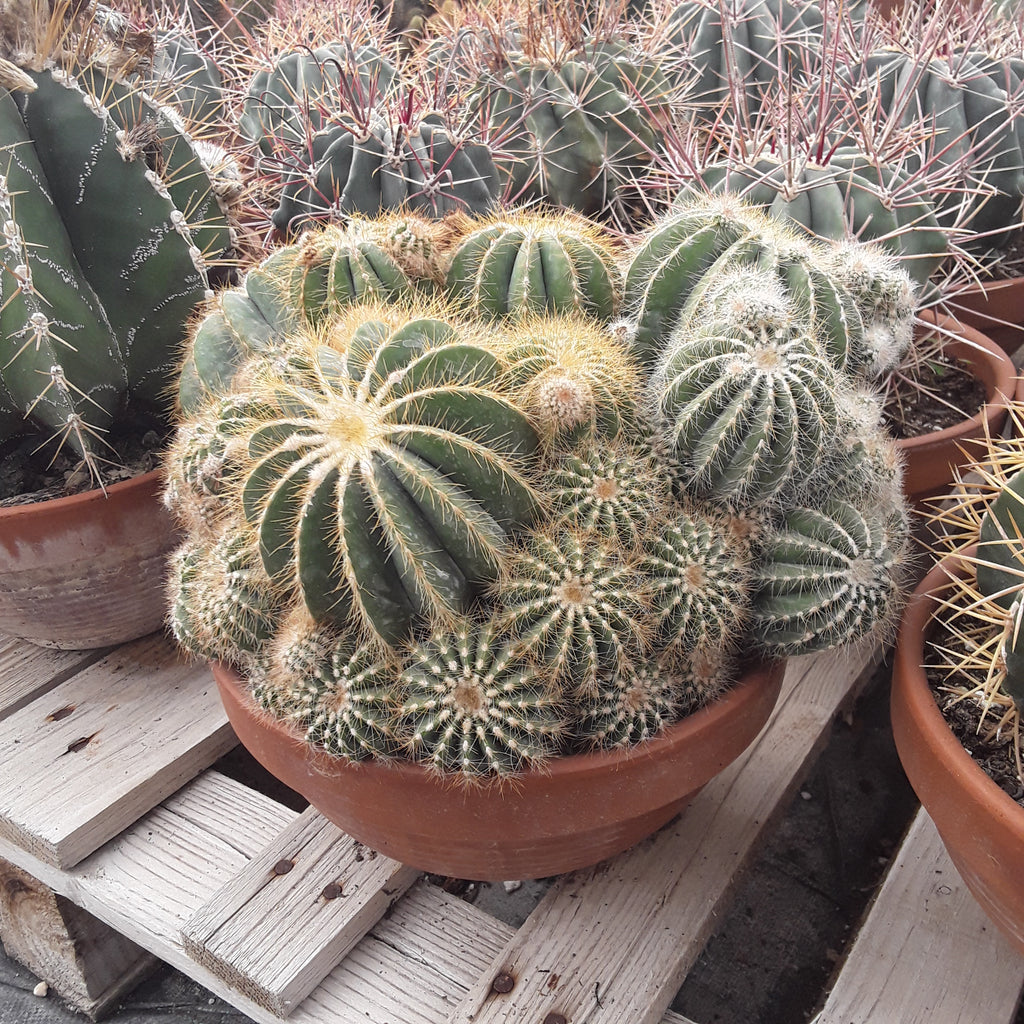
(113, 810)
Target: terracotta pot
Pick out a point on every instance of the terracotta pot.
(981, 826)
(577, 811)
(931, 459)
(996, 308)
(87, 570)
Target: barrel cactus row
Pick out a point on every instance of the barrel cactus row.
(446, 518)
(114, 221)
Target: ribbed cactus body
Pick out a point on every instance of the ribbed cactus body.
(536, 263)
(386, 164)
(222, 604)
(631, 705)
(385, 481)
(576, 602)
(1000, 565)
(826, 576)
(609, 489)
(972, 130)
(669, 259)
(577, 130)
(849, 196)
(572, 376)
(740, 51)
(700, 579)
(301, 284)
(293, 99)
(183, 75)
(475, 708)
(1013, 653)
(100, 269)
(747, 393)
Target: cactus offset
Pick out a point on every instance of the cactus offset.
(632, 704)
(476, 708)
(576, 601)
(534, 263)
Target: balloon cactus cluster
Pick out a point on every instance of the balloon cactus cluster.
(487, 491)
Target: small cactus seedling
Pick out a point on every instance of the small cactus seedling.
(535, 263)
(576, 601)
(476, 708)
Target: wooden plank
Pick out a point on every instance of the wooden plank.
(411, 967)
(88, 964)
(926, 954)
(28, 671)
(281, 925)
(577, 955)
(105, 746)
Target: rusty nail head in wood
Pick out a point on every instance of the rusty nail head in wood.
(556, 1018)
(503, 983)
(331, 891)
(282, 867)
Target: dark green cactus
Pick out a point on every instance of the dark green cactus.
(700, 580)
(384, 481)
(475, 707)
(632, 704)
(577, 130)
(103, 258)
(425, 165)
(289, 102)
(847, 196)
(828, 575)
(1000, 559)
(738, 53)
(183, 75)
(613, 489)
(576, 601)
(534, 263)
(747, 393)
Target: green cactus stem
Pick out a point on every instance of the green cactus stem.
(632, 704)
(222, 604)
(828, 575)
(386, 479)
(1000, 559)
(748, 396)
(613, 489)
(477, 709)
(700, 581)
(577, 602)
(535, 263)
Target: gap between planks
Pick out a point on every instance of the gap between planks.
(926, 952)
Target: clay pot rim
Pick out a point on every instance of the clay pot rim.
(755, 676)
(996, 405)
(69, 503)
(919, 618)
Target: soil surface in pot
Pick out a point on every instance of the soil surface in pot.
(942, 394)
(991, 749)
(29, 474)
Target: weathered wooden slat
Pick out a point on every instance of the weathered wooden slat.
(28, 671)
(926, 953)
(87, 963)
(579, 954)
(104, 747)
(277, 928)
(411, 967)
